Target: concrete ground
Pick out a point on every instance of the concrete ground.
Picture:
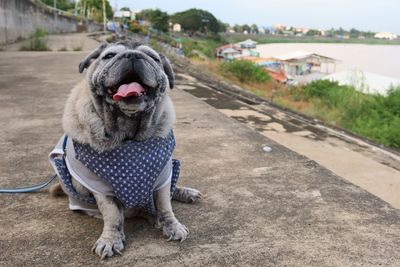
(261, 208)
(372, 168)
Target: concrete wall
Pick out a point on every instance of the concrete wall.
(19, 18)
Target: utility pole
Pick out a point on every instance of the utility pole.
(104, 15)
(76, 8)
(55, 13)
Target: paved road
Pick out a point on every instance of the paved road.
(271, 209)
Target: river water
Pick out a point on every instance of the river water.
(380, 59)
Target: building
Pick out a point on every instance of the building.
(385, 35)
(278, 27)
(176, 27)
(227, 51)
(301, 67)
(301, 30)
(248, 44)
(301, 63)
(122, 14)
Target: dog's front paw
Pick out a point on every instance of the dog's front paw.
(187, 195)
(174, 230)
(109, 244)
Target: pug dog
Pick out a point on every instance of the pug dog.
(118, 143)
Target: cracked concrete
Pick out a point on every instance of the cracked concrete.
(365, 165)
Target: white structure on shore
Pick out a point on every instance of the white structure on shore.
(302, 67)
(385, 35)
(247, 44)
(366, 82)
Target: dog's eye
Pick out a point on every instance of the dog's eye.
(109, 55)
(156, 59)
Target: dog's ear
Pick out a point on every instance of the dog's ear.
(89, 58)
(168, 70)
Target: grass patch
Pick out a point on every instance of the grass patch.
(270, 39)
(63, 49)
(37, 42)
(374, 116)
(195, 47)
(246, 71)
(77, 48)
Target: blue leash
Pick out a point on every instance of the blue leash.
(33, 188)
(29, 189)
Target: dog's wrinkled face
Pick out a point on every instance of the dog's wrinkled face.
(129, 76)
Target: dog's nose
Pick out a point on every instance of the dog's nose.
(131, 56)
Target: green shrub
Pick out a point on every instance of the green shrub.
(192, 47)
(377, 117)
(37, 41)
(331, 93)
(374, 116)
(246, 71)
(77, 48)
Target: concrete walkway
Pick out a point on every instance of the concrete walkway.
(261, 209)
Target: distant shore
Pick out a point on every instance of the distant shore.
(271, 39)
(380, 59)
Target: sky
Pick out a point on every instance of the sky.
(374, 15)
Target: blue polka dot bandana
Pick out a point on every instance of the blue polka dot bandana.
(130, 169)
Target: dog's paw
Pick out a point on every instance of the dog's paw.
(187, 195)
(174, 230)
(109, 245)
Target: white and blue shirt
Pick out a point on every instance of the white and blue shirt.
(130, 172)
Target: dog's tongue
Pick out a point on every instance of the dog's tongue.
(127, 90)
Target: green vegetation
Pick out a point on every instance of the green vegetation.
(77, 48)
(272, 39)
(246, 71)
(374, 116)
(193, 20)
(65, 5)
(37, 41)
(159, 19)
(200, 48)
(93, 9)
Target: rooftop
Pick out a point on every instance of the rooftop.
(299, 55)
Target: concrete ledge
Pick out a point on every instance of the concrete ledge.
(261, 208)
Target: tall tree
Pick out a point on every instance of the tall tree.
(193, 20)
(158, 19)
(254, 29)
(65, 5)
(246, 28)
(354, 33)
(238, 28)
(223, 26)
(93, 9)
